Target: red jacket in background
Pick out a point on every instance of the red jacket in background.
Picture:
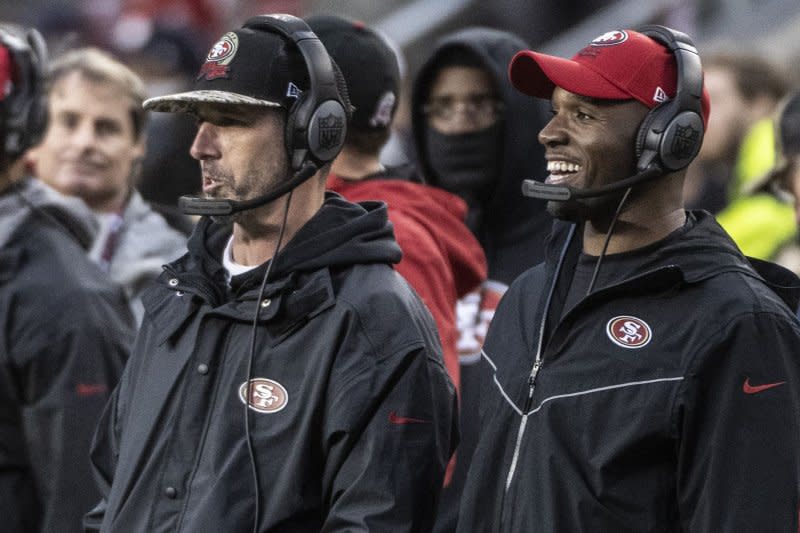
(442, 260)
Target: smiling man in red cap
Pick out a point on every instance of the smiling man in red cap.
(645, 376)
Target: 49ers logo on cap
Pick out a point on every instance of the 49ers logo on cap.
(219, 57)
(610, 38)
(266, 396)
(628, 331)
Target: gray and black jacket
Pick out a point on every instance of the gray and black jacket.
(667, 401)
(65, 334)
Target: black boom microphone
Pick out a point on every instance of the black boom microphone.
(564, 193)
(193, 205)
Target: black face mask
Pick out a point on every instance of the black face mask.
(466, 164)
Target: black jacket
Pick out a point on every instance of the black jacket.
(65, 333)
(667, 402)
(356, 422)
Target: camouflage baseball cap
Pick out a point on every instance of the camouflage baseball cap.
(245, 66)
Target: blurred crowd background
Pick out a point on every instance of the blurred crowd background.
(165, 40)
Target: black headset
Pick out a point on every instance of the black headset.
(316, 124)
(23, 113)
(671, 134)
(317, 121)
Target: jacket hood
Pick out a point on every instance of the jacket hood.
(705, 250)
(31, 197)
(340, 234)
(438, 211)
(513, 226)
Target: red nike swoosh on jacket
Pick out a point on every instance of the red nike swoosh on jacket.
(394, 418)
(91, 389)
(753, 389)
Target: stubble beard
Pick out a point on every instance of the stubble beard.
(253, 220)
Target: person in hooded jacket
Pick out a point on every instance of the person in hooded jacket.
(477, 140)
(65, 328)
(285, 377)
(645, 376)
(475, 136)
(442, 260)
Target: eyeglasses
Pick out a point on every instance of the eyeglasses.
(482, 108)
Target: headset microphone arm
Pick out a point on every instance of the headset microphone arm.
(564, 193)
(192, 205)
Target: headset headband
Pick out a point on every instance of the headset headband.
(320, 111)
(672, 133)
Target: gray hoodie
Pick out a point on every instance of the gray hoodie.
(144, 243)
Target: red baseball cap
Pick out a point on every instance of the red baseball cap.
(618, 65)
(6, 73)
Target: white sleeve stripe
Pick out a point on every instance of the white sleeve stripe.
(503, 392)
(500, 387)
(571, 394)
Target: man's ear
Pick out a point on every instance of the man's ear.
(31, 155)
(138, 151)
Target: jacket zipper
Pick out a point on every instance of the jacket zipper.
(537, 365)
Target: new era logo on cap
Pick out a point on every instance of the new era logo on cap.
(293, 91)
(382, 116)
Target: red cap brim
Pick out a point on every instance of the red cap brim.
(538, 74)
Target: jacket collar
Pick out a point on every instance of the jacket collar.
(703, 251)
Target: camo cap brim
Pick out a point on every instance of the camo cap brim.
(187, 102)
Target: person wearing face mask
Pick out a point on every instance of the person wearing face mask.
(470, 132)
(475, 136)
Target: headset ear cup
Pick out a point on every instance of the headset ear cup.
(681, 140)
(25, 109)
(327, 131)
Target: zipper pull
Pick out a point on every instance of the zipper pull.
(536, 366)
(532, 384)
